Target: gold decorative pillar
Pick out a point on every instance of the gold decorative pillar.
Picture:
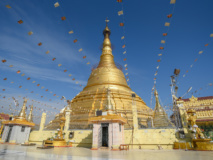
(43, 119)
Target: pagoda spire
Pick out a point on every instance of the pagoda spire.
(30, 116)
(158, 107)
(107, 58)
(22, 114)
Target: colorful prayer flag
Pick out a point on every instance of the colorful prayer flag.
(161, 47)
(73, 79)
(169, 16)
(121, 24)
(70, 75)
(5, 79)
(75, 40)
(120, 13)
(63, 18)
(164, 34)
(30, 33)
(4, 60)
(18, 71)
(158, 60)
(10, 65)
(20, 86)
(119, 1)
(88, 62)
(211, 35)
(200, 52)
(20, 21)
(124, 59)
(8, 6)
(80, 50)
(23, 74)
(125, 65)
(47, 52)
(70, 32)
(59, 65)
(122, 37)
(54, 59)
(84, 57)
(167, 24)
(206, 44)
(163, 41)
(172, 1)
(124, 46)
(56, 4)
(159, 54)
(39, 44)
(28, 78)
(65, 70)
(195, 60)
(124, 52)
(33, 81)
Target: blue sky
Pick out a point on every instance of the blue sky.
(144, 25)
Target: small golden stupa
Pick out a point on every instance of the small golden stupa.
(106, 75)
(160, 118)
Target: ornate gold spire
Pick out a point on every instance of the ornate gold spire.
(160, 117)
(30, 116)
(107, 74)
(158, 107)
(22, 114)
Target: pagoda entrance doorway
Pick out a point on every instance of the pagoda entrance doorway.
(105, 134)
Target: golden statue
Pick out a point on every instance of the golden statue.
(196, 132)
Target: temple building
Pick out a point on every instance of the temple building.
(18, 129)
(160, 118)
(204, 111)
(107, 74)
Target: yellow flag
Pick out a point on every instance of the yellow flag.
(8, 6)
(70, 75)
(30, 33)
(80, 50)
(70, 32)
(211, 35)
(23, 74)
(47, 52)
(163, 41)
(120, 13)
(172, 1)
(59, 65)
(33, 81)
(126, 74)
(88, 62)
(200, 52)
(167, 24)
(125, 65)
(122, 37)
(159, 54)
(10, 65)
(124, 52)
(56, 4)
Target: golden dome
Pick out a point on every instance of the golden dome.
(107, 75)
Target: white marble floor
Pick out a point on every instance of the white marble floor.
(17, 152)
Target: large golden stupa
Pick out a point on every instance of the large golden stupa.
(107, 75)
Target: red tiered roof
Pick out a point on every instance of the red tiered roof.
(5, 116)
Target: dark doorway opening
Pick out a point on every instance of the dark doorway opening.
(105, 136)
(9, 134)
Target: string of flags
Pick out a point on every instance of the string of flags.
(163, 41)
(121, 24)
(47, 52)
(200, 52)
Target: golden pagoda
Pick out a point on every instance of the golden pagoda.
(160, 118)
(107, 75)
